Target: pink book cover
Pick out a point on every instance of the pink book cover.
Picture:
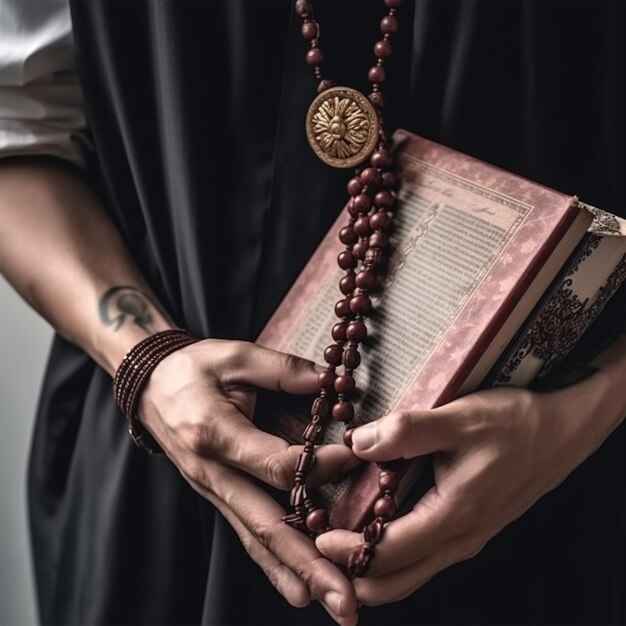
(470, 233)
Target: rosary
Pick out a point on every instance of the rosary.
(345, 129)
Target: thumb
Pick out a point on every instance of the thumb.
(403, 435)
(278, 371)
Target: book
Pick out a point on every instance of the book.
(476, 253)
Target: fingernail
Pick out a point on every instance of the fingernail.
(364, 437)
(333, 600)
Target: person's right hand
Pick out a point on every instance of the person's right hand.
(199, 405)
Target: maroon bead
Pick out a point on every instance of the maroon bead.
(317, 521)
(305, 462)
(376, 74)
(384, 200)
(366, 279)
(314, 56)
(378, 240)
(320, 407)
(360, 249)
(342, 308)
(352, 208)
(355, 186)
(384, 507)
(363, 202)
(326, 379)
(377, 99)
(309, 30)
(381, 159)
(370, 176)
(374, 258)
(388, 481)
(339, 331)
(303, 8)
(347, 437)
(382, 48)
(393, 4)
(344, 384)
(356, 331)
(347, 235)
(360, 304)
(389, 24)
(362, 226)
(347, 283)
(389, 179)
(333, 354)
(343, 411)
(380, 221)
(346, 260)
(351, 359)
(325, 84)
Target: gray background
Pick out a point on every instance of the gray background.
(24, 343)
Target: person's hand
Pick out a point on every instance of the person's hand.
(199, 404)
(495, 453)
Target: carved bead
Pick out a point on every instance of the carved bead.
(370, 176)
(362, 226)
(347, 236)
(384, 200)
(385, 508)
(297, 495)
(338, 332)
(378, 240)
(309, 30)
(342, 308)
(344, 383)
(326, 380)
(360, 304)
(317, 521)
(305, 462)
(382, 49)
(389, 24)
(376, 74)
(355, 186)
(333, 354)
(380, 221)
(366, 279)
(388, 481)
(314, 56)
(346, 284)
(320, 407)
(343, 411)
(346, 260)
(351, 360)
(311, 432)
(356, 331)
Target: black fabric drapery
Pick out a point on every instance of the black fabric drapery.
(196, 110)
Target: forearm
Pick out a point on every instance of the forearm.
(63, 254)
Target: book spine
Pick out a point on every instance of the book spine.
(561, 319)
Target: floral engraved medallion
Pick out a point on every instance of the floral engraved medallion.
(342, 127)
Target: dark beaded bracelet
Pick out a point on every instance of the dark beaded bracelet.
(133, 374)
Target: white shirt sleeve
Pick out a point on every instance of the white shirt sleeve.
(41, 102)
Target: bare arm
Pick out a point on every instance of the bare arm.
(64, 256)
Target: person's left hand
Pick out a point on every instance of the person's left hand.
(495, 453)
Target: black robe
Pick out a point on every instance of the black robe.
(196, 110)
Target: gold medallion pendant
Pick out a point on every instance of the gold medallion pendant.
(342, 127)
